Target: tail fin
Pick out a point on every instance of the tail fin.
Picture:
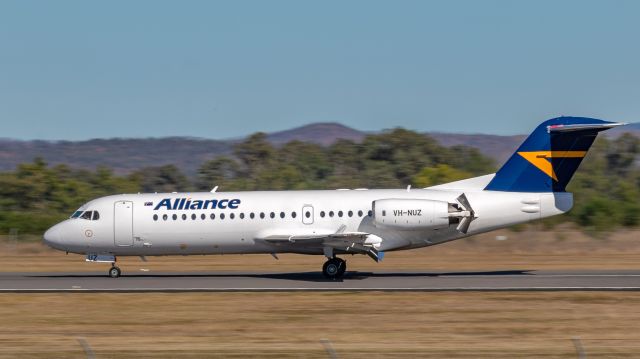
(549, 157)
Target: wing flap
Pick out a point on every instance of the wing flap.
(307, 238)
(355, 242)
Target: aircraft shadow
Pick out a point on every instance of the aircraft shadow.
(295, 276)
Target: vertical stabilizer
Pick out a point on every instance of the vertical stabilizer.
(549, 157)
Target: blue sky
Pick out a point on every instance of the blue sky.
(84, 69)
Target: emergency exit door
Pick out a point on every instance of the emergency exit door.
(123, 223)
(307, 214)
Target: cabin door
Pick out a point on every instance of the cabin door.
(123, 223)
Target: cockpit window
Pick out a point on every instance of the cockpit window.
(90, 215)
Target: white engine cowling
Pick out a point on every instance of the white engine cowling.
(411, 214)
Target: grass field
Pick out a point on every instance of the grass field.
(357, 324)
(527, 250)
(277, 325)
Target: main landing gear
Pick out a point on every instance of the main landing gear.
(334, 268)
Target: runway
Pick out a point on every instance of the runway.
(510, 280)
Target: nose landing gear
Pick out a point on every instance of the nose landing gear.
(114, 272)
(334, 268)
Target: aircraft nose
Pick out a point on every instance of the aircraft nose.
(53, 237)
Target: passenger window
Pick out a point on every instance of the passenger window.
(339, 213)
(212, 216)
(370, 213)
(164, 217)
(262, 215)
(155, 217)
(330, 213)
(350, 213)
(359, 213)
(272, 215)
(96, 216)
(87, 215)
(241, 215)
(193, 216)
(175, 216)
(232, 216)
(184, 217)
(293, 214)
(203, 216)
(221, 215)
(307, 214)
(322, 214)
(251, 215)
(281, 214)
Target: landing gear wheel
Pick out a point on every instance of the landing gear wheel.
(334, 268)
(114, 272)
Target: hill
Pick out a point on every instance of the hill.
(321, 133)
(124, 155)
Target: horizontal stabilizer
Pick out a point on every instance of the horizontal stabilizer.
(583, 127)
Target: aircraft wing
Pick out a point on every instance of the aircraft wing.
(357, 242)
(316, 238)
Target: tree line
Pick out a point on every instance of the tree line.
(607, 187)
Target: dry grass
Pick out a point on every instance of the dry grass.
(566, 249)
(438, 325)
(460, 325)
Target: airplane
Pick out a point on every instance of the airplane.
(531, 185)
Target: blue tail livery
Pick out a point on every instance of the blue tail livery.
(549, 157)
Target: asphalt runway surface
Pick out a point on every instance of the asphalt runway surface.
(509, 280)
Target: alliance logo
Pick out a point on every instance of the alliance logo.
(187, 203)
(542, 159)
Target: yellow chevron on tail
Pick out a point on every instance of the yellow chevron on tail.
(542, 159)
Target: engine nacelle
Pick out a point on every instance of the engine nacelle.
(411, 214)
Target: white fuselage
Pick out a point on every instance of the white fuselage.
(142, 224)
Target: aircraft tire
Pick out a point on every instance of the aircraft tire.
(114, 272)
(332, 268)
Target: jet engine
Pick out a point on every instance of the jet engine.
(422, 214)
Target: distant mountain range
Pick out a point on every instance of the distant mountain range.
(126, 155)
